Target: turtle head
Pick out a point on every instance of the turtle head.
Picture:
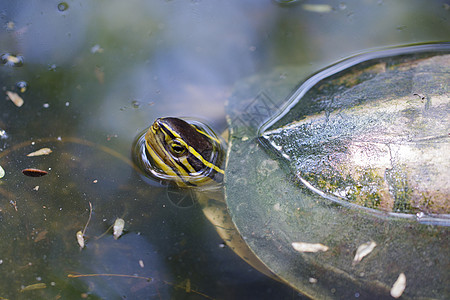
(187, 153)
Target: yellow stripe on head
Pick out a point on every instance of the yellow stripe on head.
(193, 151)
(204, 161)
(164, 162)
(184, 152)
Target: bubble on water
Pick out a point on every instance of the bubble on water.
(22, 86)
(63, 6)
(12, 60)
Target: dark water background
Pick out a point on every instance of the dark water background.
(102, 72)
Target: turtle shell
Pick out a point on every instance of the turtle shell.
(341, 183)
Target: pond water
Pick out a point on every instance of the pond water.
(92, 76)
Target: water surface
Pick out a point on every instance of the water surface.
(102, 72)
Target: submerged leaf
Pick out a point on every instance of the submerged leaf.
(35, 286)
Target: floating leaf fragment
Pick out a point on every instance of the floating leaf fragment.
(10, 25)
(399, 286)
(119, 224)
(363, 250)
(80, 239)
(11, 60)
(80, 234)
(35, 286)
(34, 172)
(309, 247)
(97, 49)
(317, 8)
(15, 98)
(43, 151)
(2, 172)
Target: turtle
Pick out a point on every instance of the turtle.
(336, 184)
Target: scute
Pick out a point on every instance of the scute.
(376, 143)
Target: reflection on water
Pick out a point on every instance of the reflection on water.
(101, 72)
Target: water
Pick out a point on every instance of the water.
(102, 72)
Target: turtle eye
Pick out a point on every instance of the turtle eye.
(177, 149)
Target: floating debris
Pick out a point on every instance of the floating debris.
(80, 234)
(317, 8)
(11, 60)
(15, 98)
(34, 172)
(14, 204)
(2, 172)
(141, 263)
(36, 188)
(286, 2)
(309, 247)
(399, 286)
(149, 279)
(312, 280)
(119, 224)
(22, 86)
(97, 49)
(10, 25)
(80, 239)
(363, 250)
(3, 134)
(43, 151)
(35, 286)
